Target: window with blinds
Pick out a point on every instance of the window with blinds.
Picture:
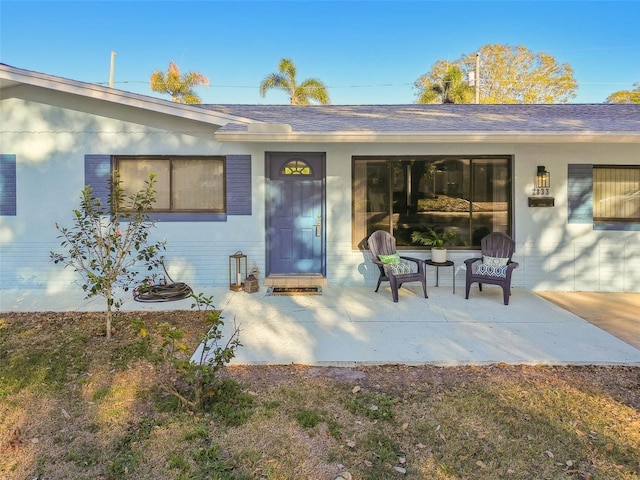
(183, 184)
(616, 193)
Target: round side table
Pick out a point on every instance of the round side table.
(448, 263)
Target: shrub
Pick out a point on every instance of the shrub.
(193, 381)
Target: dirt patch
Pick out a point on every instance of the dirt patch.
(74, 405)
(613, 312)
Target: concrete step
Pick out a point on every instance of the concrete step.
(295, 281)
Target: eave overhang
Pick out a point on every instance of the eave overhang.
(239, 136)
(13, 80)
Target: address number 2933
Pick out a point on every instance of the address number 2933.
(543, 192)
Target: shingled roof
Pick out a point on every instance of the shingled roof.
(617, 122)
(594, 123)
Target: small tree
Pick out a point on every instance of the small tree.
(107, 247)
(192, 380)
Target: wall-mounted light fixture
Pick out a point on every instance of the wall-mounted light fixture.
(541, 189)
(543, 178)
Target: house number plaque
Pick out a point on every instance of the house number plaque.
(541, 201)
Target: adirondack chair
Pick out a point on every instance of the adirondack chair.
(496, 266)
(394, 268)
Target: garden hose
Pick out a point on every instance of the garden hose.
(165, 292)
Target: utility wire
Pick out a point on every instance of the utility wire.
(256, 86)
(347, 86)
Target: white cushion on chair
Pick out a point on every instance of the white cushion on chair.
(493, 267)
(494, 261)
(397, 265)
(491, 271)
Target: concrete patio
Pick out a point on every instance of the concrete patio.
(345, 326)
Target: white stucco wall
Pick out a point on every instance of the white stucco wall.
(553, 254)
(50, 143)
(557, 255)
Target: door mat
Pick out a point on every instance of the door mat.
(294, 291)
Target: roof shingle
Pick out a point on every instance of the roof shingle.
(414, 118)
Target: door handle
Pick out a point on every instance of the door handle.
(318, 229)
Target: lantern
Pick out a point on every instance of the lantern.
(237, 271)
(251, 284)
(543, 178)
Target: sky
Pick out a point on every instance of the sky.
(366, 52)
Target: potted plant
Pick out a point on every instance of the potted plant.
(437, 241)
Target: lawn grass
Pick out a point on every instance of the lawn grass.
(76, 406)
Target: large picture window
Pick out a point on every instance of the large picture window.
(470, 196)
(616, 194)
(183, 184)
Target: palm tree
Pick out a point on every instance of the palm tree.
(450, 88)
(180, 87)
(309, 90)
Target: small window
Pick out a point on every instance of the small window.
(183, 184)
(616, 194)
(296, 167)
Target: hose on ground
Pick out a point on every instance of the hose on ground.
(167, 292)
(162, 293)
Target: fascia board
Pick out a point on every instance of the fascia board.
(11, 77)
(436, 137)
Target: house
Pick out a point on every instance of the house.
(298, 189)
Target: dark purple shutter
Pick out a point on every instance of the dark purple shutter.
(97, 174)
(238, 184)
(8, 189)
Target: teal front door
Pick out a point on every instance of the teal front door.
(295, 213)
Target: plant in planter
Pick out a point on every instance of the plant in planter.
(437, 241)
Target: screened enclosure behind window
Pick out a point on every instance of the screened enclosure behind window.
(468, 196)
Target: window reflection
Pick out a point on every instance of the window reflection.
(469, 196)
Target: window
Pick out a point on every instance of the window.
(470, 196)
(296, 167)
(183, 184)
(616, 194)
